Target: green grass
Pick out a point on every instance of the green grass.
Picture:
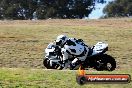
(22, 45)
(39, 78)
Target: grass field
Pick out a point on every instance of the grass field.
(22, 45)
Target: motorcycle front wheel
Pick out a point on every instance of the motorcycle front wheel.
(46, 64)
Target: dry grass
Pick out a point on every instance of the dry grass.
(22, 45)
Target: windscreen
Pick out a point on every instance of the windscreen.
(50, 46)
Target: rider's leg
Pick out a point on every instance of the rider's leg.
(65, 59)
(78, 59)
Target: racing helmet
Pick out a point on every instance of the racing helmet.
(61, 39)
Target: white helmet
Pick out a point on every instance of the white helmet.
(61, 39)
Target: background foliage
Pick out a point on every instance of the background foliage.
(43, 9)
(119, 8)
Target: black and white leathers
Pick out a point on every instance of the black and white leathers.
(74, 48)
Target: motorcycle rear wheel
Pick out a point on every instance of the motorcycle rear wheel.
(108, 62)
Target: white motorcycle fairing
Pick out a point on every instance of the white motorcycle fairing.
(99, 48)
(50, 49)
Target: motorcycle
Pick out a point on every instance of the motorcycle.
(96, 58)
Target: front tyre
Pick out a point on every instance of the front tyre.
(46, 64)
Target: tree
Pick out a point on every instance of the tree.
(118, 8)
(43, 9)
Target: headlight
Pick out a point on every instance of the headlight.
(46, 54)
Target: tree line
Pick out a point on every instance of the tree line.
(118, 8)
(43, 9)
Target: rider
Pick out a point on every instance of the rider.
(72, 47)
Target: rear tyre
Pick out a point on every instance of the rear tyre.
(106, 62)
(109, 63)
(98, 66)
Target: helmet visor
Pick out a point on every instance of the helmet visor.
(58, 42)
